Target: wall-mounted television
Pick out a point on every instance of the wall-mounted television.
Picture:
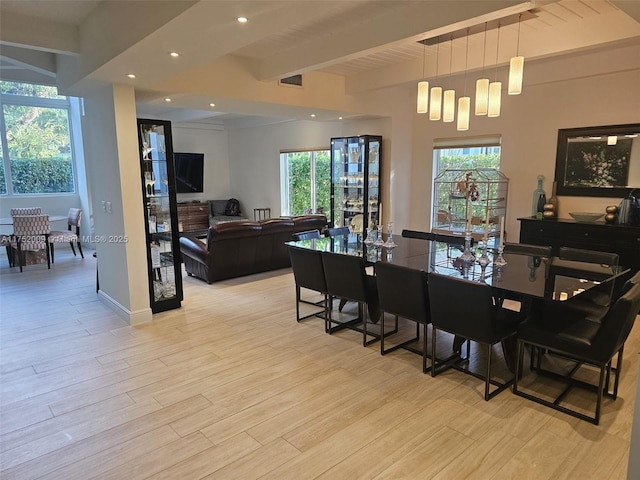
(189, 169)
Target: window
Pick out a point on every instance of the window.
(306, 182)
(477, 152)
(36, 138)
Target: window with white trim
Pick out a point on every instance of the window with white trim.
(305, 182)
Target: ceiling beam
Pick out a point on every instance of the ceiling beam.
(43, 63)
(38, 34)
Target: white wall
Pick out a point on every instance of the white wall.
(213, 142)
(255, 155)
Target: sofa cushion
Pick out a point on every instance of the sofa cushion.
(217, 207)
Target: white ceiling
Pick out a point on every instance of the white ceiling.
(373, 44)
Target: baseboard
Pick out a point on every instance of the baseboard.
(138, 317)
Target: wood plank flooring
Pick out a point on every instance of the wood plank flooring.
(231, 387)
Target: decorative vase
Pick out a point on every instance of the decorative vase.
(539, 199)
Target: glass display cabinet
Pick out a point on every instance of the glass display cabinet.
(161, 215)
(355, 181)
(473, 199)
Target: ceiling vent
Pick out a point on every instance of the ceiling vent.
(294, 80)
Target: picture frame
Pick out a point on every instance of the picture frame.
(599, 161)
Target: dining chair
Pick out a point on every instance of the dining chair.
(402, 292)
(306, 235)
(466, 309)
(418, 234)
(347, 279)
(30, 233)
(308, 273)
(336, 231)
(26, 211)
(582, 342)
(62, 236)
(527, 249)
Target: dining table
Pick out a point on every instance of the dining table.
(528, 277)
(549, 278)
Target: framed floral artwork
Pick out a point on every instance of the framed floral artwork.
(598, 161)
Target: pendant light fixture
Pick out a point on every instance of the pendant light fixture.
(436, 92)
(423, 87)
(464, 102)
(516, 67)
(495, 87)
(482, 84)
(449, 106)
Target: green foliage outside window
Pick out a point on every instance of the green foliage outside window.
(300, 191)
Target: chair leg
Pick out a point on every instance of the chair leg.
(73, 249)
(80, 248)
(434, 331)
(487, 381)
(48, 256)
(596, 419)
(297, 303)
(424, 350)
(519, 365)
(52, 251)
(20, 257)
(618, 372)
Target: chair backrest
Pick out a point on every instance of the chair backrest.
(26, 211)
(627, 285)
(527, 249)
(451, 239)
(403, 291)
(589, 256)
(462, 307)
(306, 235)
(345, 276)
(617, 325)
(308, 271)
(74, 218)
(31, 231)
(418, 234)
(332, 232)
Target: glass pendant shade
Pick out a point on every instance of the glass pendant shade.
(516, 70)
(436, 103)
(423, 97)
(449, 107)
(495, 92)
(464, 109)
(482, 96)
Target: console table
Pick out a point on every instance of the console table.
(621, 239)
(193, 217)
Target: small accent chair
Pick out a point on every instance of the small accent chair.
(346, 279)
(30, 233)
(418, 234)
(466, 309)
(306, 235)
(403, 293)
(62, 236)
(584, 342)
(308, 273)
(336, 231)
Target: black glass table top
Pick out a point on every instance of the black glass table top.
(537, 277)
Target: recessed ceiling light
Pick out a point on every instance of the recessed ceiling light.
(212, 104)
(167, 99)
(174, 54)
(131, 75)
(242, 19)
(313, 115)
(339, 118)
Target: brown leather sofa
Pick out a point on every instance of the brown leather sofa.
(234, 249)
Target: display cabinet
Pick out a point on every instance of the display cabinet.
(355, 181)
(474, 199)
(161, 215)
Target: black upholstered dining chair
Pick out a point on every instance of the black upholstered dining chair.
(582, 342)
(418, 234)
(308, 273)
(403, 293)
(306, 235)
(527, 249)
(466, 309)
(336, 231)
(347, 279)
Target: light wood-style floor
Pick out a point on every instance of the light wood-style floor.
(230, 386)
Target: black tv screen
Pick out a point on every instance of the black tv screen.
(189, 169)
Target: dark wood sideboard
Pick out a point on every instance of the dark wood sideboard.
(193, 217)
(621, 239)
